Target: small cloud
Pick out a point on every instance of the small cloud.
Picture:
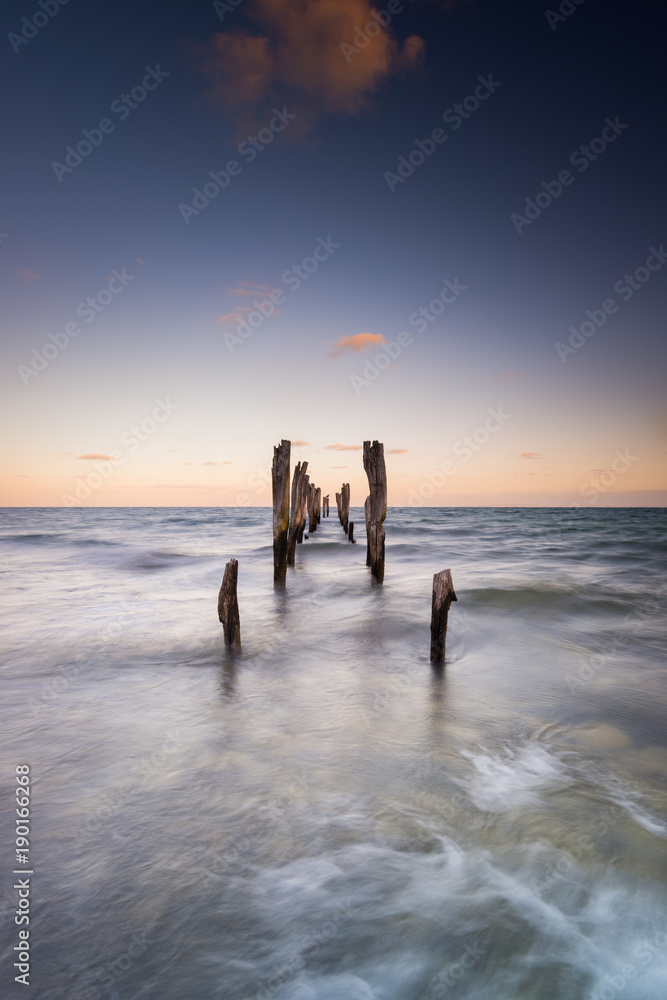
(209, 463)
(339, 466)
(225, 463)
(172, 450)
(531, 454)
(397, 451)
(234, 317)
(186, 463)
(27, 274)
(103, 458)
(357, 342)
(300, 444)
(140, 260)
(343, 447)
(509, 375)
(249, 288)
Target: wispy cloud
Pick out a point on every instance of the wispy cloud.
(234, 317)
(343, 447)
(397, 451)
(249, 288)
(357, 342)
(300, 444)
(209, 463)
(104, 458)
(531, 454)
(27, 274)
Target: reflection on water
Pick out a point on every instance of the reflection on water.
(324, 815)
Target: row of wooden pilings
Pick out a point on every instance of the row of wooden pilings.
(289, 524)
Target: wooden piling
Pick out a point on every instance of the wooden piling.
(228, 606)
(318, 506)
(376, 471)
(443, 595)
(350, 531)
(302, 508)
(325, 506)
(312, 494)
(281, 498)
(345, 505)
(340, 515)
(367, 514)
(297, 511)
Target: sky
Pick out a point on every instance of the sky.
(436, 224)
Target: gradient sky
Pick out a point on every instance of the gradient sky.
(587, 426)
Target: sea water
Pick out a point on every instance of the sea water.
(325, 816)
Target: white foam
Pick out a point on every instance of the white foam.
(514, 779)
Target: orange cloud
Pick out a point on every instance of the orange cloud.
(357, 342)
(300, 444)
(27, 274)
(397, 451)
(343, 447)
(209, 463)
(530, 454)
(249, 288)
(104, 458)
(294, 57)
(235, 317)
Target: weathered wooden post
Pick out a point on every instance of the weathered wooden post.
(367, 513)
(318, 505)
(345, 505)
(443, 595)
(298, 499)
(340, 515)
(281, 491)
(350, 531)
(325, 506)
(228, 606)
(312, 518)
(302, 509)
(376, 471)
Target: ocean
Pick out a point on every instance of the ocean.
(326, 816)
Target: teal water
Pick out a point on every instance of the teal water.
(325, 816)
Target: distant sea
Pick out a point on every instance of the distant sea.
(326, 816)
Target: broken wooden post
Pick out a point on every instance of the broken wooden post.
(443, 595)
(340, 516)
(228, 607)
(367, 512)
(376, 471)
(325, 506)
(281, 491)
(299, 481)
(318, 505)
(350, 531)
(302, 508)
(345, 505)
(312, 518)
